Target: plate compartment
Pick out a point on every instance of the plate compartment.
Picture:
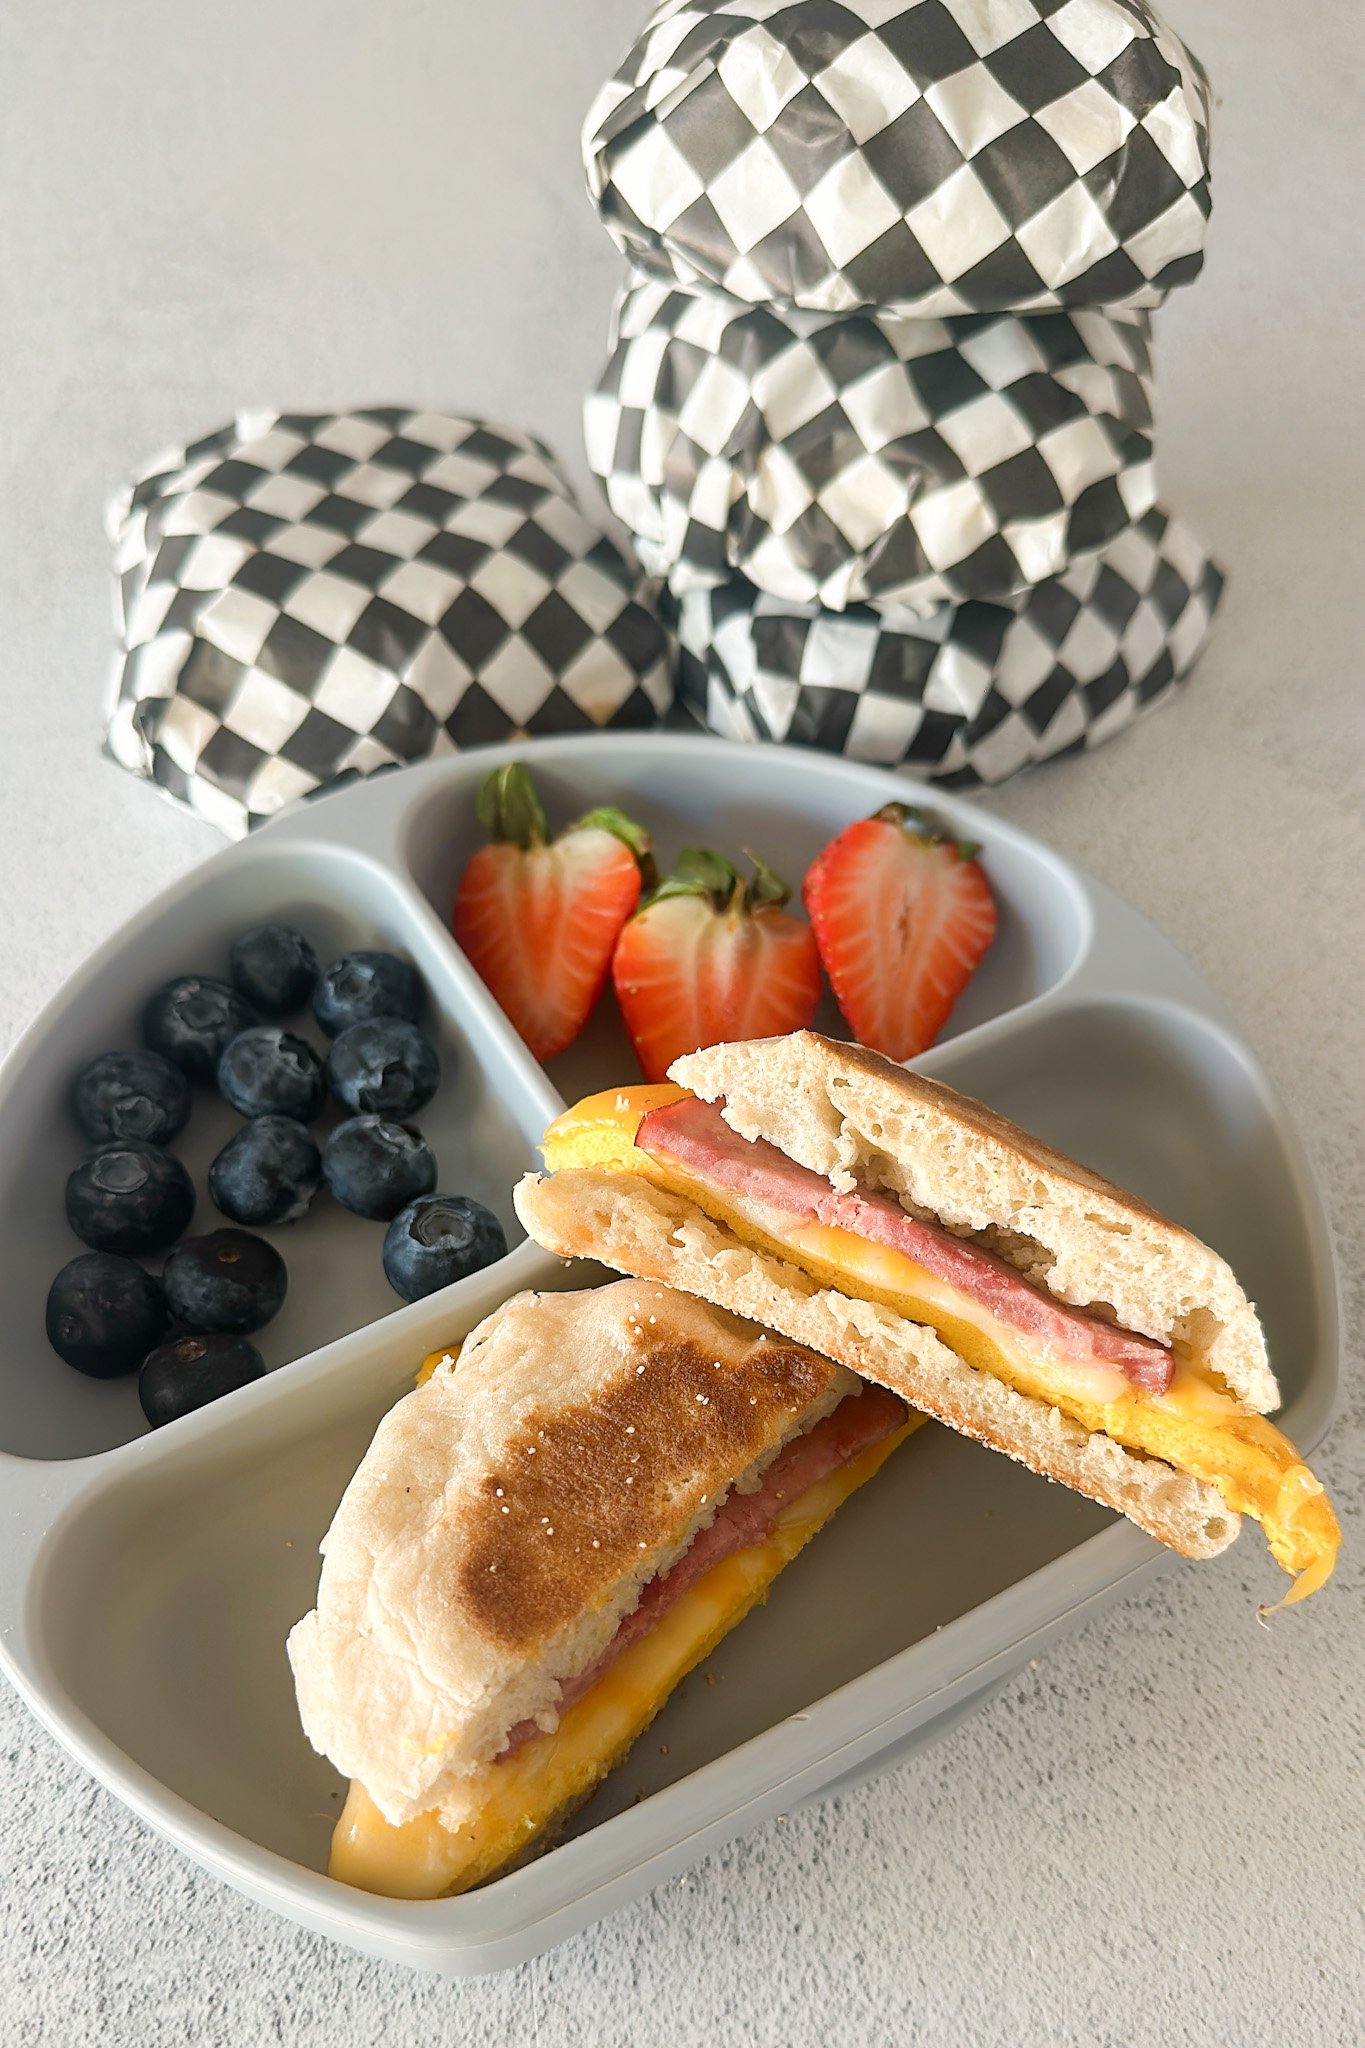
(188, 1552)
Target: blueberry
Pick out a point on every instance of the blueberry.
(362, 986)
(439, 1239)
(268, 1173)
(387, 1068)
(189, 1372)
(129, 1197)
(373, 1166)
(226, 1280)
(192, 1020)
(274, 967)
(131, 1095)
(268, 1072)
(104, 1314)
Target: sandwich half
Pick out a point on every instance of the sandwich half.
(927, 1244)
(541, 1541)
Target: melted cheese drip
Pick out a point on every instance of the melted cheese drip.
(1194, 1426)
(504, 1810)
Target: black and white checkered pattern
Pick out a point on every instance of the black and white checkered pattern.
(929, 156)
(866, 458)
(974, 694)
(306, 598)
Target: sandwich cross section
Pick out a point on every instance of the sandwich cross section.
(931, 1246)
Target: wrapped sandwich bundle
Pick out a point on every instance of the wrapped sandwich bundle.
(972, 694)
(935, 157)
(869, 457)
(307, 598)
(879, 400)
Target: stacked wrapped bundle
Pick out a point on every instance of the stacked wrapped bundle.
(878, 405)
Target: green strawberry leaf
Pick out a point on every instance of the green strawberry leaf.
(699, 873)
(606, 818)
(509, 809)
(767, 887)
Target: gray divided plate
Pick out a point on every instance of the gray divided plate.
(148, 1580)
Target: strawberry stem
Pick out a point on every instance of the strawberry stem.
(509, 809)
(921, 826)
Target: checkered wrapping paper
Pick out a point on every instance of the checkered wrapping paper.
(937, 157)
(866, 458)
(305, 598)
(974, 694)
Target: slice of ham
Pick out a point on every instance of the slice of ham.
(859, 1421)
(695, 1136)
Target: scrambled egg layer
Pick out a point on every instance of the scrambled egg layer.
(1196, 1426)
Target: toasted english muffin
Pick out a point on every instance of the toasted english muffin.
(509, 1512)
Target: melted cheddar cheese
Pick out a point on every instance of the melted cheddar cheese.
(504, 1810)
(1195, 1426)
(433, 1359)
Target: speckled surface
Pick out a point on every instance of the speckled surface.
(1157, 1836)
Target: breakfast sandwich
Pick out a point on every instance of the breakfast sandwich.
(932, 1247)
(541, 1541)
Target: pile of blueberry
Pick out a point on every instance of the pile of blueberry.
(187, 1334)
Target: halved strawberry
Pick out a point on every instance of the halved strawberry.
(710, 958)
(902, 916)
(537, 917)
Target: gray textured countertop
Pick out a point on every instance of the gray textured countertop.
(1157, 1836)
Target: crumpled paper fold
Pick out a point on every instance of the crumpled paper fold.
(977, 692)
(938, 157)
(869, 458)
(305, 598)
